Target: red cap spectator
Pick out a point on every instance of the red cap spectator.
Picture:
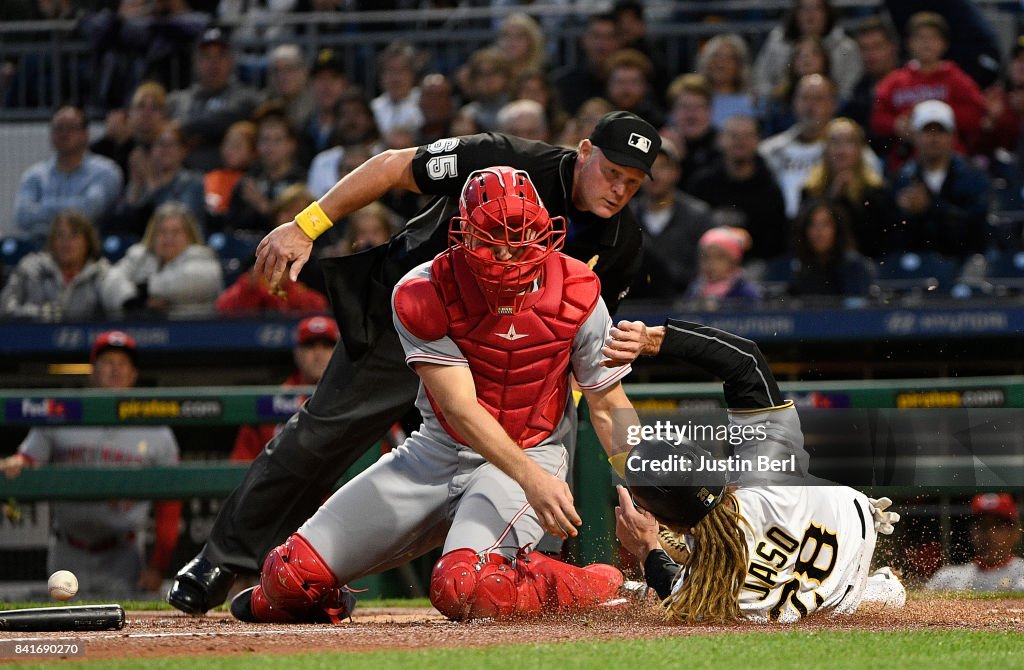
(997, 504)
(311, 360)
(115, 339)
(317, 328)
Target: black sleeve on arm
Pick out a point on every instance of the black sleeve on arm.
(660, 571)
(441, 167)
(748, 381)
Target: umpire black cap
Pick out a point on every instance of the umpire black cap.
(663, 479)
(627, 139)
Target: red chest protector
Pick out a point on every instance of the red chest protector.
(520, 362)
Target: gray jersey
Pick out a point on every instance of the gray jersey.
(585, 362)
(972, 577)
(431, 491)
(101, 445)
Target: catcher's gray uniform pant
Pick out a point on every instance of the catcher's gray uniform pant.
(352, 407)
(420, 495)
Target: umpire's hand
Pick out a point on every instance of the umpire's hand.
(284, 245)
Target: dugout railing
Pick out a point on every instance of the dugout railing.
(229, 406)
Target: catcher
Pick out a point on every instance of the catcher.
(493, 327)
(744, 549)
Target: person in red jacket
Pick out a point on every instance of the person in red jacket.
(251, 294)
(926, 77)
(314, 341)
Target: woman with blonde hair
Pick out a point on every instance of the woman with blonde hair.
(844, 177)
(368, 227)
(172, 270)
(747, 542)
(68, 281)
(521, 40)
(724, 61)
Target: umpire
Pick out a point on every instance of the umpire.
(367, 385)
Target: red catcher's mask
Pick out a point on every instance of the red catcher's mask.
(505, 235)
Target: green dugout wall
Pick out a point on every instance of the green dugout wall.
(240, 405)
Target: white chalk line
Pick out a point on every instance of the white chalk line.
(86, 635)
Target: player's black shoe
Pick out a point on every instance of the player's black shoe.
(241, 606)
(200, 586)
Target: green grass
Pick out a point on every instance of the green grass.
(785, 650)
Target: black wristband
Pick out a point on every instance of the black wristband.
(660, 571)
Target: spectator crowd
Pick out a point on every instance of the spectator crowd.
(808, 166)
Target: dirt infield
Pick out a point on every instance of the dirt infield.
(154, 634)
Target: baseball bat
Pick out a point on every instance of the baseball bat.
(79, 617)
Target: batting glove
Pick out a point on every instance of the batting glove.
(883, 520)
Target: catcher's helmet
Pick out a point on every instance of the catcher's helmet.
(679, 495)
(505, 234)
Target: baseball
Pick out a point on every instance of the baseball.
(62, 585)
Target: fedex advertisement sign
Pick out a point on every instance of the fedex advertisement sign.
(43, 410)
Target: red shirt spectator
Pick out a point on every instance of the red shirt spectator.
(314, 341)
(905, 87)
(251, 294)
(926, 77)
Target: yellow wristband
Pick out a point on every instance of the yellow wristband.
(618, 463)
(313, 221)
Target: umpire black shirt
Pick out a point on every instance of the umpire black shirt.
(360, 285)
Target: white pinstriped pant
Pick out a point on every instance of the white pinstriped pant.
(420, 496)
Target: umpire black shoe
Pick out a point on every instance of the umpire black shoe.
(200, 586)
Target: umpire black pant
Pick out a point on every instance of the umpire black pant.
(350, 410)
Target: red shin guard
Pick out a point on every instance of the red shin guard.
(561, 587)
(297, 586)
(465, 585)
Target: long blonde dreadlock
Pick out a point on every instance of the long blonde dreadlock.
(715, 571)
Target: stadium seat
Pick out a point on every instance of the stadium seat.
(1006, 213)
(235, 250)
(13, 250)
(115, 245)
(234, 245)
(915, 274)
(1005, 271)
(777, 273)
